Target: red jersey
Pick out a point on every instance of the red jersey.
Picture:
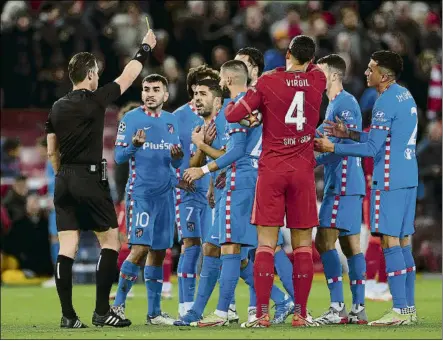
(290, 103)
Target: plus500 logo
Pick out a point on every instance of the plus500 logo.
(156, 146)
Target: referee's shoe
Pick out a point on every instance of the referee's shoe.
(72, 323)
(113, 318)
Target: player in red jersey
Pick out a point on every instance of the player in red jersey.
(289, 100)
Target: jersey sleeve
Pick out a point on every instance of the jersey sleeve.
(49, 129)
(176, 140)
(382, 116)
(237, 143)
(251, 101)
(348, 117)
(124, 148)
(375, 141)
(107, 94)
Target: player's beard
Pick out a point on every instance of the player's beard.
(205, 113)
(153, 107)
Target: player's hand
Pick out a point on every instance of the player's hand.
(182, 184)
(209, 134)
(198, 136)
(323, 144)
(220, 182)
(211, 198)
(176, 152)
(139, 138)
(337, 129)
(192, 174)
(150, 39)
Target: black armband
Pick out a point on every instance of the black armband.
(49, 129)
(143, 53)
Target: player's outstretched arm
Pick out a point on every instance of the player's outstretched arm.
(251, 101)
(135, 66)
(376, 139)
(125, 150)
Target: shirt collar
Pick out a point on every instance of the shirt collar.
(149, 113)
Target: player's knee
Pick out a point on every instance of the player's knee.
(404, 241)
(138, 253)
(389, 241)
(325, 240)
(211, 250)
(188, 242)
(230, 249)
(109, 239)
(350, 245)
(156, 257)
(68, 249)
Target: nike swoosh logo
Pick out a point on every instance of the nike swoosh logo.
(147, 128)
(138, 55)
(214, 237)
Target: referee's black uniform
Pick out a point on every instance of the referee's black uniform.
(82, 197)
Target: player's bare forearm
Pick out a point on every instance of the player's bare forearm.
(211, 152)
(129, 75)
(53, 152)
(198, 159)
(212, 166)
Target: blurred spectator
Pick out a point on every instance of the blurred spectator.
(159, 54)
(15, 199)
(432, 37)
(28, 240)
(176, 84)
(130, 28)
(276, 57)
(406, 25)
(194, 61)
(434, 92)
(220, 55)
(254, 33)
(290, 24)
(9, 12)
(10, 158)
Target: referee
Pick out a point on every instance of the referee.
(82, 197)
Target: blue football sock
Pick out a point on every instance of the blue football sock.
(189, 272)
(410, 275)
(284, 270)
(154, 284)
(277, 295)
(230, 274)
(395, 264)
(179, 279)
(55, 247)
(208, 280)
(247, 274)
(357, 275)
(128, 276)
(334, 276)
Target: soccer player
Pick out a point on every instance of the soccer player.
(193, 213)
(391, 142)
(289, 101)
(344, 191)
(254, 60)
(148, 138)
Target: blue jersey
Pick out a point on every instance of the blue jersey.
(187, 120)
(50, 175)
(391, 140)
(150, 164)
(242, 154)
(343, 175)
(221, 138)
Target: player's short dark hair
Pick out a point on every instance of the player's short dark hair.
(10, 144)
(213, 86)
(389, 60)
(302, 48)
(256, 58)
(236, 65)
(155, 77)
(198, 73)
(334, 61)
(80, 65)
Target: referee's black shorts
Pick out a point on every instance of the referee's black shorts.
(82, 201)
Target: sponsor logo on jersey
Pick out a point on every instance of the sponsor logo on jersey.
(292, 141)
(379, 116)
(347, 115)
(157, 146)
(121, 127)
(138, 232)
(409, 154)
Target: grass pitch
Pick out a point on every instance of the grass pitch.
(34, 313)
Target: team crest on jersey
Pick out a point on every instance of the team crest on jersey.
(138, 232)
(170, 128)
(190, 226)
(121, 127)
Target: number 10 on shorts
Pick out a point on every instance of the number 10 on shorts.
(142, 219)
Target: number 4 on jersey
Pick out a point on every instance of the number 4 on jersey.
(297, 105)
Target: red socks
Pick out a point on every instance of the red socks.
(373, 257)
(302, 278)
(263, 278)
(382, 275)
(167, 266)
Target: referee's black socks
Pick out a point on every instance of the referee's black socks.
(105, 275)
(63, 281)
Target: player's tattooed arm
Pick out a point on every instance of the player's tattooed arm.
(53, 151)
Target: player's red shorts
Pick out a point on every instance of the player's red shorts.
(292, 193)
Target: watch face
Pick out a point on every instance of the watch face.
(146, 47)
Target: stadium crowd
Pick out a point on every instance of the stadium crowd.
(39, 38)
